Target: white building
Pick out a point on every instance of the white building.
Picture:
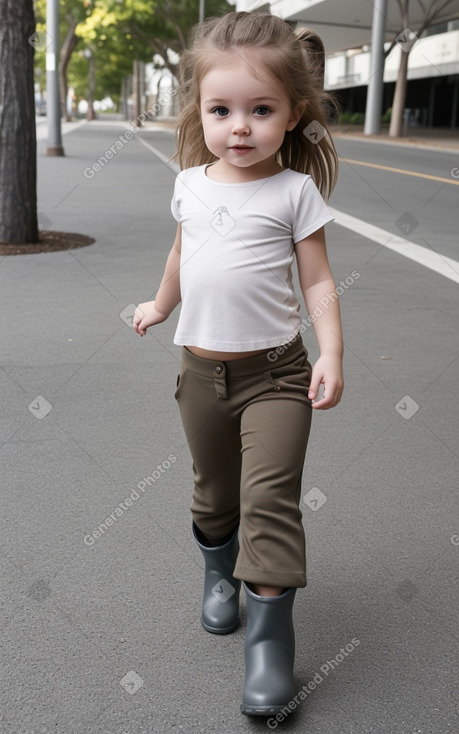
(346, 27)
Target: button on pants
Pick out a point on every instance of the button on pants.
(247, 424)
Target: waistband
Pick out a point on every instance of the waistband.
(262, 362)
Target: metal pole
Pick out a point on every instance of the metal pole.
(454, 110)
(53, 105)
(201, 11)
(376, 81)
(431, 103)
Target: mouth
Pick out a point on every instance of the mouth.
(241, 148)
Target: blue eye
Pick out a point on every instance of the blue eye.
(262, 111)
(220, 111)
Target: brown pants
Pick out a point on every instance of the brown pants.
(247, 424)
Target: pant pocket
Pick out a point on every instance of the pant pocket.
(292, 377)
(179, 384)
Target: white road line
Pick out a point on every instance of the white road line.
(175, 167)
(441, 264)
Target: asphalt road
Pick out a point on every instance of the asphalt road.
(100, 627)
(421, 186)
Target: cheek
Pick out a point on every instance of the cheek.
(271, 135)
(212, 132)
(205, 130)
(212, 138)
(208, 138)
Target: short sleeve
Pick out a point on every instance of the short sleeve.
(311, 212)
(174, 204)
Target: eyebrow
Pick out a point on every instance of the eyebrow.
(254, 99)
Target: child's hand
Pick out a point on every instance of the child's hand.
(146, 315)
(327, 371)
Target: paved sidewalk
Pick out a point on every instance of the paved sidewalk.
(101, 579)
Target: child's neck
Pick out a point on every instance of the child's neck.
(225, 172)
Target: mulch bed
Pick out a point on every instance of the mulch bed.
(48, 242)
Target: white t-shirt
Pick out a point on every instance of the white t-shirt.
(237, 254)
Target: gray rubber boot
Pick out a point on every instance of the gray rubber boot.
(269, 653)
(220, 604)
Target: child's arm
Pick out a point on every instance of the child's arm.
(317, 285)
(168, 295)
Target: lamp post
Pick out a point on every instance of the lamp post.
(201, 11)
(53, 103)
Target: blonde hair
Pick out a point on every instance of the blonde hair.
(294, 57)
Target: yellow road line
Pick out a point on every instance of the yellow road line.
(401, 170)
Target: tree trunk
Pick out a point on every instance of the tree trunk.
(18, 144)
(398, 105)
(123, 98)
(136, 71)
(68, 47)
(91, 115)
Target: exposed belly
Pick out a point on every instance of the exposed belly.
(222, 356)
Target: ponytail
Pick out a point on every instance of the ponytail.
(314, 52)
(309, 148)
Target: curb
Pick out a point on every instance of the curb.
(436, 144)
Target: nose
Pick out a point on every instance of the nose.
(240, 125)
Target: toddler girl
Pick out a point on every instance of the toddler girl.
(255, 152)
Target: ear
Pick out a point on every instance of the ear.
(295, 116)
